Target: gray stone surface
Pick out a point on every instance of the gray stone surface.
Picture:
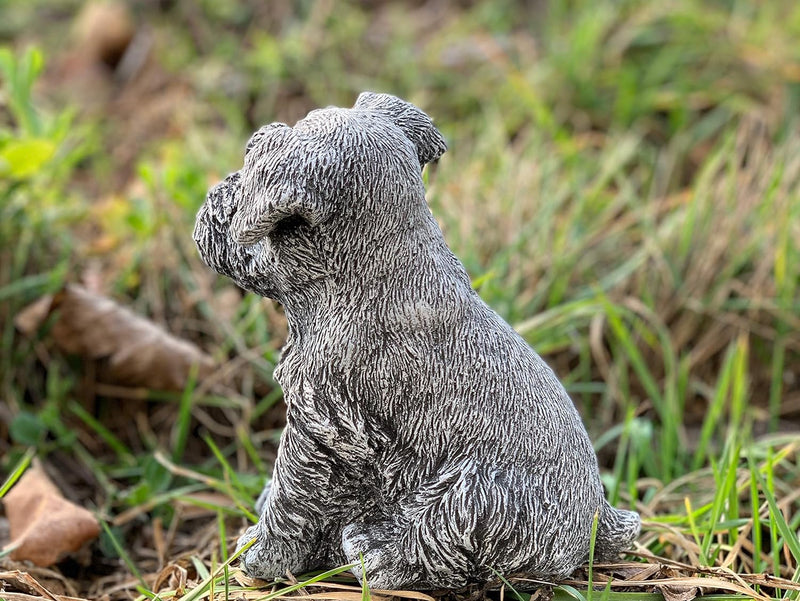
(422, 431)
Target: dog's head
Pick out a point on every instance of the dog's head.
(311, 197)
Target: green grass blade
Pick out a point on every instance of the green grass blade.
(711, 421)
(568, 593)
(200, 590)
(183, 422)
(120, 549)
(778, 521)
(592, 542)
(223, 549)
(123, 452)
(519, 596)
(17, 472)
(366, 595)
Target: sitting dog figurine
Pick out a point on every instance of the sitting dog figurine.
(426, 442)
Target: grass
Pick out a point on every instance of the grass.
(622, 185)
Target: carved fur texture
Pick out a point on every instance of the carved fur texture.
(422, 431)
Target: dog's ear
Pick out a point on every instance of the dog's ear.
(270, 195)
(261, 211)
(417, 126)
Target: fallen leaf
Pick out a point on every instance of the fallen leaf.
(31, 317)
(172, 577)
(103, 31)
(134, 350)
(44, 525)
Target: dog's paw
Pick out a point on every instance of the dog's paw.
(260, 560)
(376, 554)
(250, 560)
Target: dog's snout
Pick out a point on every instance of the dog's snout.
(220, 200)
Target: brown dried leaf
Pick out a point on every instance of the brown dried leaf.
(136, 351)
(44, 525)
(31, 317)
(172, 577)
(103, 31)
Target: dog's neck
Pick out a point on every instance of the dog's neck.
(386, 275)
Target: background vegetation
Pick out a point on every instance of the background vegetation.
(623, 185)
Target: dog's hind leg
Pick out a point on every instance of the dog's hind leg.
(470, 522)
(429, 541)
(393, 556)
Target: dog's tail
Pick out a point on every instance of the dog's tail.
(616, 531)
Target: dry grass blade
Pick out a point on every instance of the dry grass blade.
(708, 583)
(26, 597)
(134, 351)
(26, 581)
(681, 577)
(377, 595)
(335, 591)
(355, 589)
(678, 593)
(342, 595)
(338, 596)
(32, 590)
(404, 594)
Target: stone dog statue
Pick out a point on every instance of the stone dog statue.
(423, 434)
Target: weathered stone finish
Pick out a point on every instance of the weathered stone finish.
(422, 431)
